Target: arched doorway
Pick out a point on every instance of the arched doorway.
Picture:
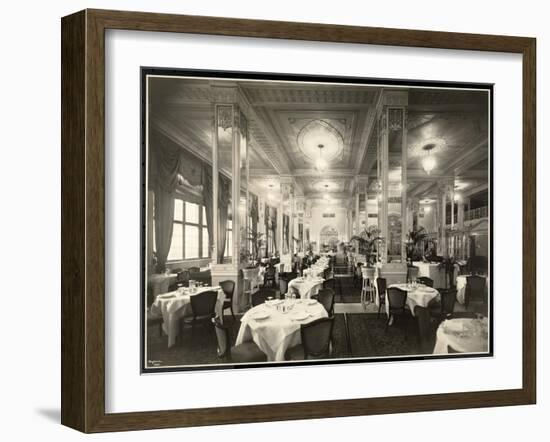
(328, 239)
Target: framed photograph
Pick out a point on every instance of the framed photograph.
(195, 153)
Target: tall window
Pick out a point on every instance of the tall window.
(190, 234)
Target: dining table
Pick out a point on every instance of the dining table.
(464, 335)
(417, 294)
(173, 306)
(306, 286)
(275, 324)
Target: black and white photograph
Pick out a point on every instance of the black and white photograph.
(292, 220)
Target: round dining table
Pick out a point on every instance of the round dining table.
(306, 287)
(417, 294)
(275, 325)
(463, 335)
(172, 306)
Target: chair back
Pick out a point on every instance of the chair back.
(270, 271)
(204, 303)
(228, 287)
(448, 300)
(397, 298)
(429, 282)
(183, 276)
(475, 286)
(316, 337)
(222, 336)
(261, 296)
(326, 298)
(283, 286)
(381, 288)
(329, 281)
(426, 332)
(412, 273)
(194, 269)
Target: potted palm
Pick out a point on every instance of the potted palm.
(367, 242)
(257, 240)
(414, 238)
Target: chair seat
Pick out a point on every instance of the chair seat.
(247, 352)
(190, 319)
(296, 353)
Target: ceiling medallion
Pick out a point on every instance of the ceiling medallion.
(320, 133)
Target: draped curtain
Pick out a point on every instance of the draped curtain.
(172, 168)
(208, 198)
(165, 164)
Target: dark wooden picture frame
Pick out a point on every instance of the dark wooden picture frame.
(83, 220)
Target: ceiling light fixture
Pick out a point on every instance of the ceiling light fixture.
(428, 162)
(321, 164)
(270, 195)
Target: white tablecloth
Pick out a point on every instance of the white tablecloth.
(173, 306)
(420, 295)
(159, 282)
(461, 287)
(305, 287)
(275, 334)
(463, 334)
(432, 271)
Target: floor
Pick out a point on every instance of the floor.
(359, 332)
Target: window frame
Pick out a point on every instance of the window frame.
(201, 225)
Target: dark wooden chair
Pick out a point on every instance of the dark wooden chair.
(397, 300)
(153, 321)
(269, 277)
(445, 308)
(284, 279)
(262, 295)
(316, 338)
(429, 282)
(228, 288)
(426, 329)
(242, 353)
(381, 289)
(326, 299)
(204, 309)
(475, 290)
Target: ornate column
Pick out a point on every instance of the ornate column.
(392, 157)
(229, 116)
(442, 220)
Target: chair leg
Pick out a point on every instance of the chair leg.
(387, 323)
(232, 314)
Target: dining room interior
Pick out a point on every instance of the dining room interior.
(296, 221)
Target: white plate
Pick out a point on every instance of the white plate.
(258, 316)
(311, 301)
(299, 316)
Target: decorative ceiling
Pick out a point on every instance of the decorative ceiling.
(289, 121)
